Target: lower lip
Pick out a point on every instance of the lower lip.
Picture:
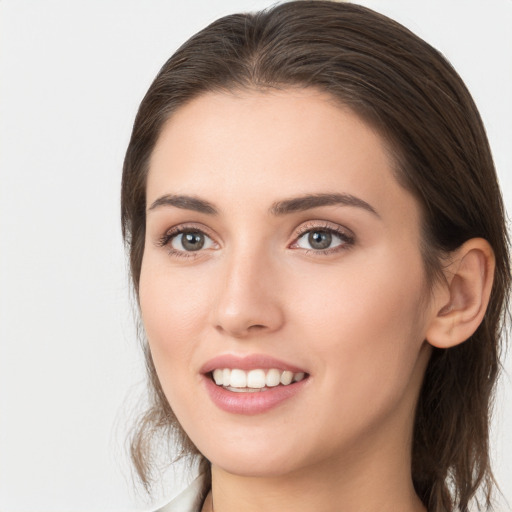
(251, 403)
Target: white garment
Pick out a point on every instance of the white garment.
(187, 501)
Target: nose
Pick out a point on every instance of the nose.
(248, 301)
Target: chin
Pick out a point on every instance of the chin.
(257, 458)
(254, 467)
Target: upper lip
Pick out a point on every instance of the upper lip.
(250, 362)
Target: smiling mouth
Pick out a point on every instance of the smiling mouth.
(253, 381)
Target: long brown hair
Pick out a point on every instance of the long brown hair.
(409, 92)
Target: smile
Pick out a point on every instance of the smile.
(252, 384)
(240, 381)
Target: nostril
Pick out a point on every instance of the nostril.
(257, 327)
(240, 331)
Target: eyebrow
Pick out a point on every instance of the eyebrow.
(186, 203)
(286, 206)
(307, 202)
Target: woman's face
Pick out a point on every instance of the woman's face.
(280, 247)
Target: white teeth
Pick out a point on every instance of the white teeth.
(238, 379)
(242, 390)
(217, 376)
(255, 380)
(273, 378)
(298, 377)
(286, 378)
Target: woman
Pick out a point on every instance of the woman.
(318, 248)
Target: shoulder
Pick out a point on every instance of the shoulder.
(187, 501)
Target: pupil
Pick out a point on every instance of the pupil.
(192, 241)
(320, 239)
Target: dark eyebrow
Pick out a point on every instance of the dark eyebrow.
(283, 207)
(186, 203)
(298, 204)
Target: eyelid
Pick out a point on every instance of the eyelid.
(325, 225)
(172, 232)
(188, 226)
(345, 234)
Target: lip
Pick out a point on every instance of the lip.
(247, 363)
(250, 403)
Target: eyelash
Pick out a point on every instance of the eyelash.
(167, 238)
(347, 240)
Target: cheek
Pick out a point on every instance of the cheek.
(378, 293)
(365, 337)
(366, 324)
(170, 316)
(173, 314)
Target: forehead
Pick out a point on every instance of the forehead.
(266, 145)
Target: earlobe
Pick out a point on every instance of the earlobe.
(460, 303)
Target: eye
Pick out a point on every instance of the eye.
(184, 241)
(190, 241)
(316, 240)
(323, 239)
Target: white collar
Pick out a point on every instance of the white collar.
(187, 501)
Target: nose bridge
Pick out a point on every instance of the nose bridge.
(248, 299)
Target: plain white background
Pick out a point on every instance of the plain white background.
(72, 73)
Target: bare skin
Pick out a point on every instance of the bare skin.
(354, 315)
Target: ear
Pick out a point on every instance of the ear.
(460, 302)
